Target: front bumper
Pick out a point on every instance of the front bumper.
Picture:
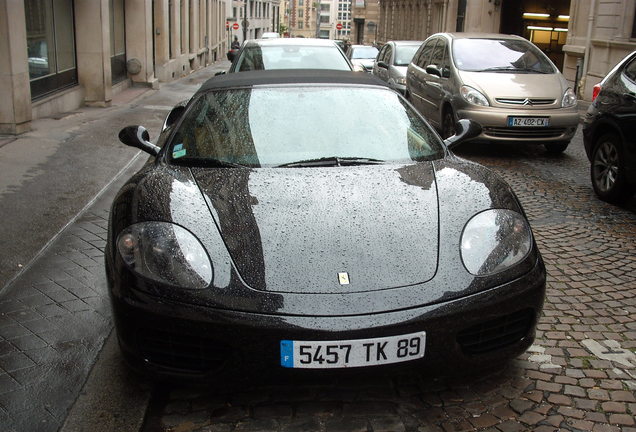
(171, 339)
(494, 123)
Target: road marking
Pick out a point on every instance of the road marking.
(543, 360)
(157, 107)
(611, 350)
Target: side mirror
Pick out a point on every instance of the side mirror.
(433, 70)
(174, 115)
(465, 129)
(137, 136)
(383, 65)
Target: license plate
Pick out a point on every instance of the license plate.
(352, 353)
(528, 121)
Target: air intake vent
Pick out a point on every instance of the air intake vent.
(496, 334)
(524, 132)
(181, 351)
(525, 101)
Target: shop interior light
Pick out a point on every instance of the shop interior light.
(560, 29)
(564, 17)
(539, 28)
(535, 15)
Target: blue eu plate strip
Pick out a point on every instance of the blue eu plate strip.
(287, 353)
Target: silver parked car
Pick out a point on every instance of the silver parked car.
(392, 61)
(362, 56)
(503, 82)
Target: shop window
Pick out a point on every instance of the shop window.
(50, 45)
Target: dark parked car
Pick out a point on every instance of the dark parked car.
(278, 228)
(609, 133)
(290, 53)
(392, 60)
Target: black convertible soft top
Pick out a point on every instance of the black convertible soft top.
(289, 76)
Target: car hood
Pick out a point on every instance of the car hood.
(295, 229)
(508, 85)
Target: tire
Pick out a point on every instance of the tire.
(607, 169)
(448, 123)
(556, 147)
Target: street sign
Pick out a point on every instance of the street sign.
(227, 25)
(339, 26)
(235, 26)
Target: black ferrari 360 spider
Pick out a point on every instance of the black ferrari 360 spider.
(313, 220)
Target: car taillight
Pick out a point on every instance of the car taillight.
(595, 91)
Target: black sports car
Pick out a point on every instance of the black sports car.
(278, 227)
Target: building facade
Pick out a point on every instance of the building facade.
(300, 18)
(584, 38)
(58, 55)
(365, 24)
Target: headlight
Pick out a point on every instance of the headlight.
(166, 253)
(569, 98)
(495, 240)
(473, 96)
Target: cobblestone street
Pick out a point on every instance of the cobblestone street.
(579, 375)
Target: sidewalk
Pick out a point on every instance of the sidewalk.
(55, 314)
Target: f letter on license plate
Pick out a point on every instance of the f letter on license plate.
(352, 353)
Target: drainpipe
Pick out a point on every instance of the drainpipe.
(428, 18)
(444, 15)
(588, 44)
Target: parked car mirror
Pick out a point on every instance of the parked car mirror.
(465, 129)
(383, 65)
(138, 136)
(433, 70)
(174, 115)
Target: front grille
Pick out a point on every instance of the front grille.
(496, 334)
(525, 101)
(181, 351)
(522, 133)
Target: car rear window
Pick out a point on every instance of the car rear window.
(291, 57)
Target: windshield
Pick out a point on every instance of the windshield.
(404, 54)
(291, 57)
(274, 126)
(364, 52)
(503, 55)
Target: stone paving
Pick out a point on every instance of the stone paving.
(53, 321)
(580, 375)
(55, 315)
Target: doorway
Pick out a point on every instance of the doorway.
(544, 24)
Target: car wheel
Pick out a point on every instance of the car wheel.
(448, 124)
(607, 169)
(556, 147)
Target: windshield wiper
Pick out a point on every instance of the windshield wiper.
(512, 69)
(331, 161)
(207, 163)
